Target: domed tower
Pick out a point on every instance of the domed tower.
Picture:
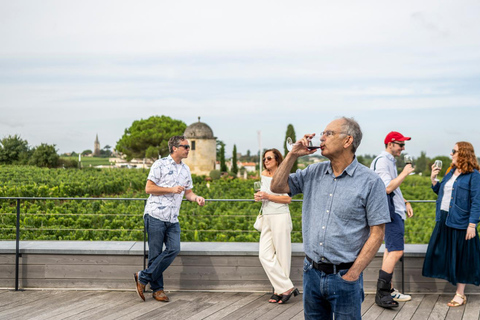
(203, 148)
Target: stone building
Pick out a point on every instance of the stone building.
(203, 148)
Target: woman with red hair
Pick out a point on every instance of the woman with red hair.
(453, 252)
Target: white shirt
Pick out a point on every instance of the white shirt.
(387, 170)
(270, 207)
(447, 193)
(167, 173)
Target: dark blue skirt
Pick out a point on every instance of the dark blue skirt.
(450, 257)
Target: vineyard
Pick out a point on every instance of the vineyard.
(122, 220)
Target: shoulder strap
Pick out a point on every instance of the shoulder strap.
(375, 163)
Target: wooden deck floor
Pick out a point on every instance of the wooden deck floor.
(204, 305)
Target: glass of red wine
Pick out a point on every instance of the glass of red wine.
(313, 143)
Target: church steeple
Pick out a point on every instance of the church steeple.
(96, 147)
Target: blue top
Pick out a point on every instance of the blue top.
(338, 211)
(465, 201)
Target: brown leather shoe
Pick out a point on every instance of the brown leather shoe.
(160, 296)
(140, 286)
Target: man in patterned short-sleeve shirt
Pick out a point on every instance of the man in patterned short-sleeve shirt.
(168, 181)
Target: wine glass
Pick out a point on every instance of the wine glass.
(438, 164)
(313, 143)
(408, 160)
(257, 185)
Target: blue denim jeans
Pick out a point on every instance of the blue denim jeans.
(159, 233)
(328, 294)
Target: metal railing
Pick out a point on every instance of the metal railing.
(145, 256)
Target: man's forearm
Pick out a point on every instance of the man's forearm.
(368, 252)
(280, 178)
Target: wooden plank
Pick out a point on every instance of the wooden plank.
(440, 309)
(101, 309)
(425, 307)
(472, 309)
(368, 302)
(183, 308)
(225, 299)
(15, 300)
(245, 311)
(137, 308)
(296, 310)
(82, 305)
(51, 305)
(234, 307)
(410, 307)
(21, 307)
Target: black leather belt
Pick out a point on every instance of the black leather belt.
(329, 268)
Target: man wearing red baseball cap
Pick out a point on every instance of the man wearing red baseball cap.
(385, 165)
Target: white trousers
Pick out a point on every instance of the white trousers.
(275, 250)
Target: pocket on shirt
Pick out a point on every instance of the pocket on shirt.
(462, 198)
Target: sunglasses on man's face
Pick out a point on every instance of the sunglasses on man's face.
(267, 158)
(401, 145)
(186, 146)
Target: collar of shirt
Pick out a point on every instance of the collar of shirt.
(350, 169)
(173, 161)
(388, 155)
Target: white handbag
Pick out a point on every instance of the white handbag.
(259, 222)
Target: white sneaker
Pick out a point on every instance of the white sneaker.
(400, 297)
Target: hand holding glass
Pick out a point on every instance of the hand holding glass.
(313, 143)
(438, 164)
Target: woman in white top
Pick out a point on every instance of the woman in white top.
(275, 242)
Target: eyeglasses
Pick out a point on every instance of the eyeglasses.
(329, 133)
(454, 151)
(186, 146)
(267, 158)
(401, 145)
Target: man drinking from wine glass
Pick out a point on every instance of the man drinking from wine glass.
(385, 166)
(343, 217)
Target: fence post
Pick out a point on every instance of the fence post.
(17, 249)
(144, 240)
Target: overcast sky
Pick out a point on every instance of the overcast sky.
(72, 69)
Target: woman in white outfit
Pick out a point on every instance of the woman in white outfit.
(275, 242)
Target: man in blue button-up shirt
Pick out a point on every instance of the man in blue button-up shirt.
(343, 216)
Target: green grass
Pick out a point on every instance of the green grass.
(90, 161)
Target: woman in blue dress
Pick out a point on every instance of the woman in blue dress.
(453, 252)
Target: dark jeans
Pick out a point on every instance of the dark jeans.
(328, 294)
(159, 233)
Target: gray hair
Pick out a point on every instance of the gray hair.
(174, 142)
(352, 128)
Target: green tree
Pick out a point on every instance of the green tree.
(85, 152)
(234, 160)
(421, 163)
(290, 133)
(223, 166)
(14, 149)
(151, 134)
(44, 156)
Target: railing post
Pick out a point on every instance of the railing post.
(403, 273)
(144, 239)
(17, 249)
